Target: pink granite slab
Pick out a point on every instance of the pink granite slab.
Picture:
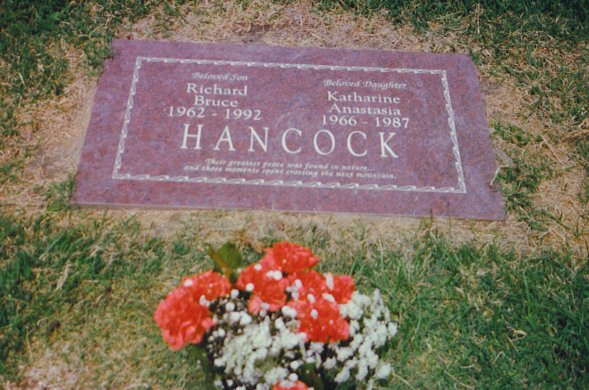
(257, 127)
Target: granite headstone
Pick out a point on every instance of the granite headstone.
(187, 125)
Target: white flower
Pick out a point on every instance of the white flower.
(383, 371)
(330, 363)
(357, 341)
(342, 376)
(234, 316)
(392, 329)
(328, 297)
(276, 374)
(249, 287)
(354, 327)
(344, 353)
(265, 349)
(276, 275)
(245, 319)
(240, 352)
(279, 324)
(316, 347)
(381, 334)
(289, 311)
(285, 340)
(362, 372)
(355, 306)
(329, 280)
(371, 359)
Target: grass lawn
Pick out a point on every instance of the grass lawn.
(479, 304)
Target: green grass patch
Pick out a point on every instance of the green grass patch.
(520, 182)
(514, 135)
(58, 195)
(475, 315)
(566, 20)
(583, 150)
(487, 318)
(46, 270)
(521, 179)
(30, 33)
(33, 38)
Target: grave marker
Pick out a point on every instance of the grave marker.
(323, 130)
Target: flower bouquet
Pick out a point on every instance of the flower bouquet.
(278, 324)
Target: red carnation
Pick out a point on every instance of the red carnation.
(267, 286)
(182, 319)
(289, 257)
(296, 386)
(343, 288)
(308, 282)
(321, 320)
(211, 285)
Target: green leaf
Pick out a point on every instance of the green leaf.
(231, 254)
(308, 375)
(227, 259)
(199, 353)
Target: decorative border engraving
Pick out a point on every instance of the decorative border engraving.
(460, 188)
